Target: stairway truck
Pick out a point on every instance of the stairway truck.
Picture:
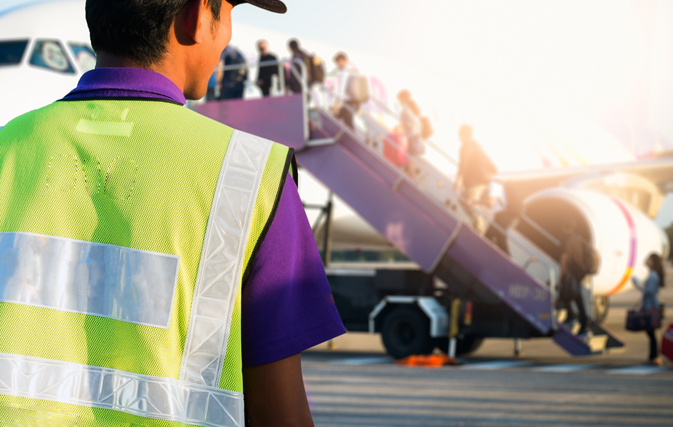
(408, 307)
(508, 300)
(409, 324)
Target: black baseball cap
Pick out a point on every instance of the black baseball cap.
(270, 5)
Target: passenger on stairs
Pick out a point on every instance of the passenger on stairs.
(345, 106)
(573, 271)
(650, 290)
(502, 216)
(232, 82)
(410, 121)
(475, 171)
(298, 55)
(266, 73)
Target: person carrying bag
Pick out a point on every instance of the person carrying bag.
(648, 318)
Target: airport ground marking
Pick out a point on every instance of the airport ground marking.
(498, 364)
(362, 361)
(564, 368)
(638, 370)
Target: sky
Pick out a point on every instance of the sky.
(558, 59)
(554, 67)
(581, 55)
(570, 57)
(558, 68)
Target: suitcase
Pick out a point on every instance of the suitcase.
(395, 149)
(667, 343)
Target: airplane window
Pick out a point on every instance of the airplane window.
(11, 52)
(84, 56)
(50, 54)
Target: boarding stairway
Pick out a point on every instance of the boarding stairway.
(422, 217)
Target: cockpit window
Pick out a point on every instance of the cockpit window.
(50, 54)
(11, 51)
(84, 56)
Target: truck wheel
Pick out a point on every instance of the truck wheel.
(464, 346)
(406, 331)
(601, 308)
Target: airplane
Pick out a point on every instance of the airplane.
(44, 49)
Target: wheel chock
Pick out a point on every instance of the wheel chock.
(426, 361)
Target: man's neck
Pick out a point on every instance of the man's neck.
(106, 60)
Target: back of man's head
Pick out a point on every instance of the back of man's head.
(137, 30)
(465, 133)
(294, 45)
(340, 56)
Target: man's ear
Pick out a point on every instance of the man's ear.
(194, 19)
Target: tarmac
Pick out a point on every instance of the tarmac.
(357, 384)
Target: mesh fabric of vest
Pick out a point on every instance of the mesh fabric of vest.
(138, 174)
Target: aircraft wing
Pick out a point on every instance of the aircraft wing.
(522, 184)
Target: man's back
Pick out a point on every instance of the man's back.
(267, 71)
(105, 207)
(236, 77)
(124, 164)
(129, 225)
(475, 165)
(575, 246)
(294, 81)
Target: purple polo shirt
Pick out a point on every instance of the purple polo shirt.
(287, 305)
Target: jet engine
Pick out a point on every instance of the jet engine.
(622, 234)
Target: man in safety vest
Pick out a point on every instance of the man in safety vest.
(154, 264)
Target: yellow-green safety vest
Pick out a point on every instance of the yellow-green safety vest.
(126, 227)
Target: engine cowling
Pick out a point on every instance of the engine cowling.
(622, 234)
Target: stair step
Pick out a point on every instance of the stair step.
(602, 341)
(597, 343)
(613, 344)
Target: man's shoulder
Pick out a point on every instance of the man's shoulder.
(26, 122)
(264, 143)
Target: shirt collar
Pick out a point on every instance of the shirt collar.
(126, 83)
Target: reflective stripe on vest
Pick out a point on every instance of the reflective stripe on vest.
(88, 278)
(145, 396)
(196, 397)
(222, 259)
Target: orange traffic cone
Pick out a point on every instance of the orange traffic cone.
(426, 361)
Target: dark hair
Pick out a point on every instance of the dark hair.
(294, 44)
(136, 29)
(340, 56)
(657, 265)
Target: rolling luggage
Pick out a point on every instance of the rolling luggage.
(667, 343)
(395, 149)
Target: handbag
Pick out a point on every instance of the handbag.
(643, 319)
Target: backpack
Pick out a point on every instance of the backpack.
(357, 88)
(426, 128)
(316, 69)
(592, 259)
(588, 261)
